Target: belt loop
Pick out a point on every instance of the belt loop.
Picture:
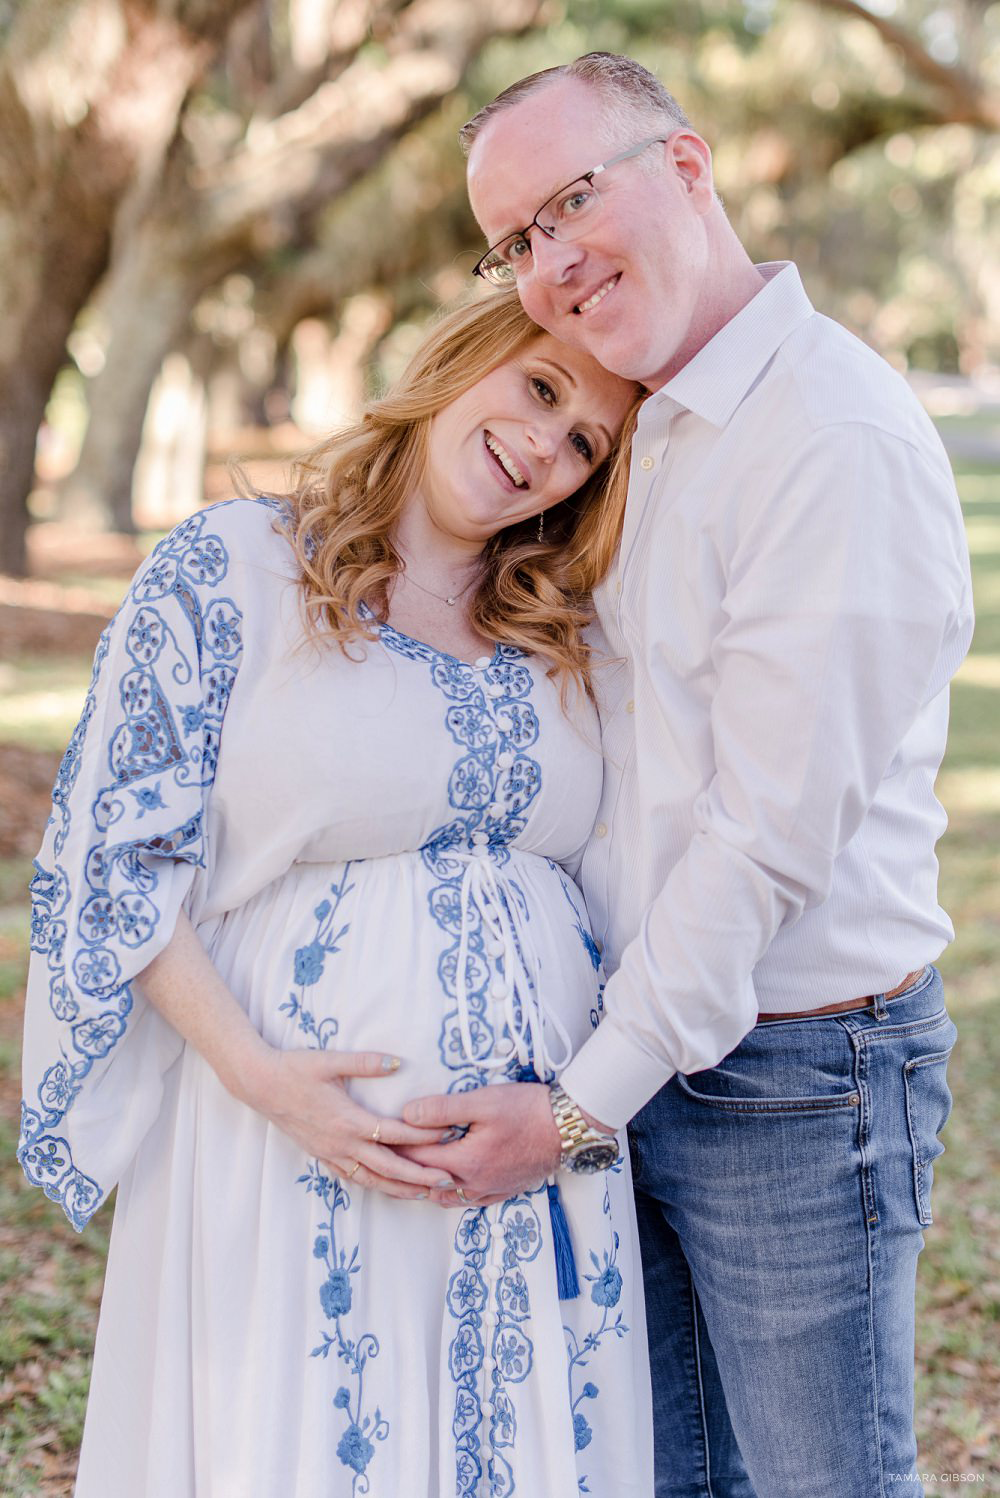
(881, 1007)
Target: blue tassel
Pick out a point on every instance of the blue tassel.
(566, 1281)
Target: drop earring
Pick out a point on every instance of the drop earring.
(541, 525)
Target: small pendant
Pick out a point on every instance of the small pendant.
(451, 602)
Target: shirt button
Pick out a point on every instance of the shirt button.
(482, 662)
(493, 689)
(600, 830)
(505, 759)
(646, 463)
(480, 839)
(496, 809)
(630, 706)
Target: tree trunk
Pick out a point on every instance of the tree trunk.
(89, 96)
(202, 221)
(147, 301)
(169, 483)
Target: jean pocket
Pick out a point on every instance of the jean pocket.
(733, 1101)
(928, 1104)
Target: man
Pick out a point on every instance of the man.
(791, 599)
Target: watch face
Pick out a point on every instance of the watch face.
(590, 1158)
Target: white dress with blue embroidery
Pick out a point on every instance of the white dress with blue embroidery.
(374, 854)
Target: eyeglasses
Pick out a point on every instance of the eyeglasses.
(566, 215)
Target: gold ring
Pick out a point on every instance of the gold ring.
(351, 1173)
(461, 1195)
(377, 1131)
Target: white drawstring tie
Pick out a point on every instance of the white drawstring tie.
(516, 990)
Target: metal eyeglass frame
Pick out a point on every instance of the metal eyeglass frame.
(595, 171)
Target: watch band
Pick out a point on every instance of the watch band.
(574, 1129)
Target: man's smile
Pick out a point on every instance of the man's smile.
(596, 297)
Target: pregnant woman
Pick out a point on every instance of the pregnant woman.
(310, 856)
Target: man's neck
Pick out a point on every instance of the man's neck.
(732, 282)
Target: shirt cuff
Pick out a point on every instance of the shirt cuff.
(611, 1078)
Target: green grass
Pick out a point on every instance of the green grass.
(40, 699)
(50, 1278)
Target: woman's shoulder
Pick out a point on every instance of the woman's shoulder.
(254, 529)
(224, 538)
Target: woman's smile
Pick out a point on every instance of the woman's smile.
(515, 472)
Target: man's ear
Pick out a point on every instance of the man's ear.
(690, 158)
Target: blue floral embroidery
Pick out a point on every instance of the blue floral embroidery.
(491, 788)
(355, 1448)
(607, 1287)
(507, 1351)
(492, 785)
(581, 927)
(605, 1293)
(336, 1293)
(150, 798)
(309, 962)
(179, 642)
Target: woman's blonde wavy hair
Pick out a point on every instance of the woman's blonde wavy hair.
(349, 491)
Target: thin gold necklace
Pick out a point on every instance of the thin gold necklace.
(450, 599)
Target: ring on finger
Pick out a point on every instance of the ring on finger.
(461, 1195)
(377, 1131)
(352, 1173)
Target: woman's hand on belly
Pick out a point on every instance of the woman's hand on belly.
(303, 1095)
(301, 1092)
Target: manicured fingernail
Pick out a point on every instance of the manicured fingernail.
(390, 1063)
(422, 1196)
(445, 1184)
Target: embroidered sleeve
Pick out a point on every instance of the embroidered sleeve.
(121, 850)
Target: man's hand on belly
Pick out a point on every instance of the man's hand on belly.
(512, 1142)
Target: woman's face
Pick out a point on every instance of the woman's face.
(524, 437)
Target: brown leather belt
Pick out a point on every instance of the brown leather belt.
(764, 1019)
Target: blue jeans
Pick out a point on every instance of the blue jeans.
(782, 1196)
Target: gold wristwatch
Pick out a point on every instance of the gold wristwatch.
(584, 1149)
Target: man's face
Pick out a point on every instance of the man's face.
(633, 291)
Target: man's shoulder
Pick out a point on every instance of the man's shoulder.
(830, 378)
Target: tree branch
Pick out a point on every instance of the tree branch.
(967, 101)
(304, 158)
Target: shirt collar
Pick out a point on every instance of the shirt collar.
(714, 382)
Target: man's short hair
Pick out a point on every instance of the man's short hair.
(628, 94)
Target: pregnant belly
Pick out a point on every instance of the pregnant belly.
(465, 974)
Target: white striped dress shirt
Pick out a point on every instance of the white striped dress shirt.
(791, 599)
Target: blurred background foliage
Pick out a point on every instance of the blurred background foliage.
(223, 221)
